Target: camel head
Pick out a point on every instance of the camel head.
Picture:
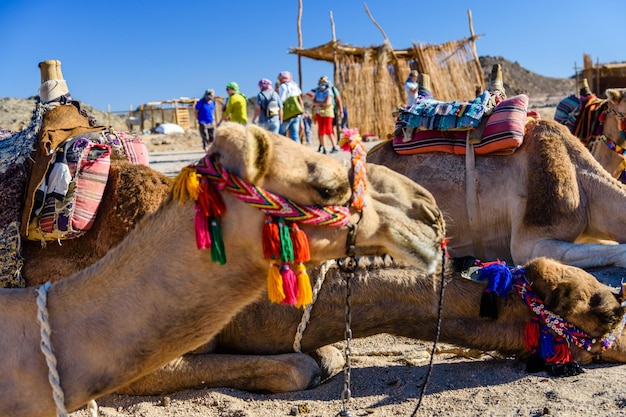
(400, 218)
(615, 123)
(580, 299)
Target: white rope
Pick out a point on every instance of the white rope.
(321, 276)
(46, 349)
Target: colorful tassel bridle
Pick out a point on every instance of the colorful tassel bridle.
(284, 243)
(553, 347)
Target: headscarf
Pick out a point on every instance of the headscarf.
(265, 84)
(233, 85)
(284, 76)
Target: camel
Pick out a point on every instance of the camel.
(395, 299)
(599, 124)
(175, 296)
(545, 199)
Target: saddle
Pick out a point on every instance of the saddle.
(492, 126)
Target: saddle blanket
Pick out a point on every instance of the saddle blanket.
(502, 133)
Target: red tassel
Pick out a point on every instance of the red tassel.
(290, 284)
(531, 335)
(301, 252)
(210, 200)
(562, 354)
(271, 239)
(201, 223)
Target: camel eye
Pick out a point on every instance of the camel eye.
(328, 193)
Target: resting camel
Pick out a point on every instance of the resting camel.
(155, 296)
(599, 124)
(542, 200)
(399, 300)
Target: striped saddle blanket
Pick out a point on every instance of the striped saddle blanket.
(496, 130)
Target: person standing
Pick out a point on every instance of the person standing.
(324, 114)
(236, 109)
(289, 92)
(205, 115)
(411, 87)
(268, 110)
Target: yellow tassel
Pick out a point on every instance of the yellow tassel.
(275, 291)
(186, 185)
(305, 293)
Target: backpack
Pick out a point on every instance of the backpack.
(271, 105)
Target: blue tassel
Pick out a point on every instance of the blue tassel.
(500, 279)
(546, 343)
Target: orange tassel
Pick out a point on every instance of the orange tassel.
(271, 239)
(275, 291)
(301, 252)
(305, 293)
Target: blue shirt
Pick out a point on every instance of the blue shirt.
(206, 110)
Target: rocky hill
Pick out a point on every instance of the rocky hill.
(543, 91)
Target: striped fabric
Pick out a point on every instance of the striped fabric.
(135, 149)
(503, 133)
(75, 213)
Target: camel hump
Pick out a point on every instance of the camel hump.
(552, 184)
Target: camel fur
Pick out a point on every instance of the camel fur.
(155, 296)
(543, 200)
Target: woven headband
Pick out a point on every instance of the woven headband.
(284, 243)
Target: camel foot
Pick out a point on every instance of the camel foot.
(330, 361)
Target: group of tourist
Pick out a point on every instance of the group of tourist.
(279, 108)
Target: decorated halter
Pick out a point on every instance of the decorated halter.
(621, 120)
(284, 243)
(547, 335)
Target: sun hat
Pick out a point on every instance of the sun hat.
(209, 93)
(284, 76)
(265, 84)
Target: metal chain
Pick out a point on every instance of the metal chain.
(347, 265)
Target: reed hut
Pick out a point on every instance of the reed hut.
(603, 76)
(371, 79)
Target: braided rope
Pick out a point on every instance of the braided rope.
(273, 204)
(306, 315)
(351, 141)
(46, 349)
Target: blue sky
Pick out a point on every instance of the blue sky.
(127, 52)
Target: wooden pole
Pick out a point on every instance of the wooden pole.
(476, 59)
(300, 43)
(109, 114)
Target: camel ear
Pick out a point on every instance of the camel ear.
(259, 150)
(615, 95)
(245, 151)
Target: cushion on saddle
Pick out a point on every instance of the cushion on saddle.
(567, 111)
(502, 134)
(429, 114)
(71, 194)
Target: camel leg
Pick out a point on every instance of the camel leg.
(265, 373)
(329, 359)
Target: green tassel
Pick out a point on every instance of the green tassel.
(218, 252)
(286, 245)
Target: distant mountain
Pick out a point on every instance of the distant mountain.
(543, 91)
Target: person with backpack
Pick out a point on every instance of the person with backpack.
(268, 110)
(205, 115)
(237, 107)
(293, 106)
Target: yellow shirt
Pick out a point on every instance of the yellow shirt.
(237, 109)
